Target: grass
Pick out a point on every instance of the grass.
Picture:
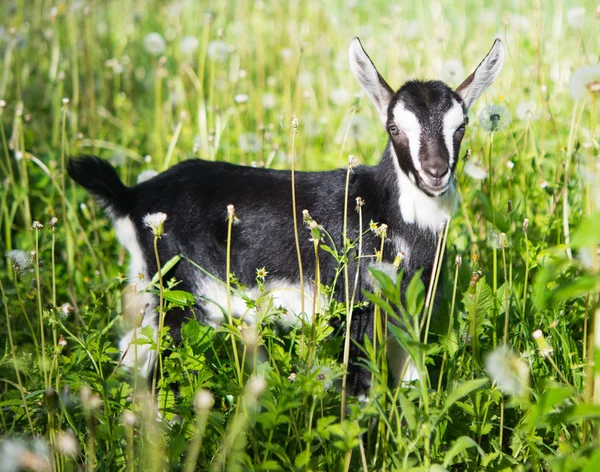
(521, 250)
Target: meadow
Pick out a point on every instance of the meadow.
(507, 365)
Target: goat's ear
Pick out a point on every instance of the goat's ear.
(369, 79)
(486, 72)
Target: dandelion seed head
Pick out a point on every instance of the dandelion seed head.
(494, 117)
(452, 72)
(66, 444)
(250, 143)
(527, 111)
(20, 260)
(65, 310)
(544, 348)
(240, 98)
(146, 175)
(154, 44)
(203, 401)
(269, 101)
(217, 50)
(510, 165)
(53, 222)
(128, 419)
(188, 45)
(256, 386)
(340, 96)
(2, 103)
(508, 370)
(37, 226)
(155, 222)
(475, 170)
(576, 18)
(585, 83)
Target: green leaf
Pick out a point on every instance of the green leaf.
(166, 267)
(409, 411)
(461, 445)
(587, 233)
(462, 390)
(415, 294)
(179, 298)
(579, 287)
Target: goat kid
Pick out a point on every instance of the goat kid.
(410, 190)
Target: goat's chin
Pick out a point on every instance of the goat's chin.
(434, 190)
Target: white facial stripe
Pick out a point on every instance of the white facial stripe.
(408, 123)
(452, 120)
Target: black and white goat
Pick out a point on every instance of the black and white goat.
(410, 190)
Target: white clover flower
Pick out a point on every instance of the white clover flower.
(585, 83)
(155, 222)
(188, 45)
(527, 111)
(146, 175)
(203, 401)
(508, 370)
(249, 142)
(576, 17)
(240, 98)
(217, 50)
(20, 260)
(452, 72)
(256, 386)
(269, 101)
(340, 96)
(494, 117)
(475, 170)
(154, 44)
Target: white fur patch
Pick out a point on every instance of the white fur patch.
(284, 294)
(419, 208)
(452, 120)
(408, 123)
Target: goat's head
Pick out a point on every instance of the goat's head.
(425, 120)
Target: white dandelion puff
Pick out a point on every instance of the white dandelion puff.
(475, 170)
(188, 45)
(240, 98)
(544, 347)
(340, 96)
(527, 111)
(217, 50)
(20, 260)
(494, 117)
(508, 370)
(585, 83)
(249, 142)
(66, 444)
(146, 175)
(576, 17)
(452, 72)
(65, 310)
(269, 101)
(256, 386)
(154, 44)
(155, 222)
(203, 401)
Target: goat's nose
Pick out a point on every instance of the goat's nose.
(437, 171)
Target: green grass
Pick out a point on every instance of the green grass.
(77, 77)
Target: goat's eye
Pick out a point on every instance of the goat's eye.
(394, 130)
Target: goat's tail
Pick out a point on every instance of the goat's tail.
(100, 178)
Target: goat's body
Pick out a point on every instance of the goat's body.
(195, 194)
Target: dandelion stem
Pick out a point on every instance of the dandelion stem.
(230, 219)
(161, 319)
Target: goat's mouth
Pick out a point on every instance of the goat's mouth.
(433, 188)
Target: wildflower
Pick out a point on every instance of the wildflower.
(154, 44)
(359, 203)
(256, 386)
(147, 159)
(155, 222)
(458, 260)
(20, 260)
(188, 45)
(217, 50)
(315, 231)
(146, 175)
(269, 101)
(508, 370)
(585, 83)
(496, 240)
(543, 346)
(37, 225)
(494, 117)
(62, 342)
(66, 444)
(53, 221)
(128, 419)
(339, 96)
(576, 17)
(398, 260)
(306, 218)
(240, 98)
(261, 273)
(475, 170)
(452, 72)
(249, 142)
(231, 214)
(373, 226)
(292, 377)
(525, 225)
(352, 162)
(526, 111)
